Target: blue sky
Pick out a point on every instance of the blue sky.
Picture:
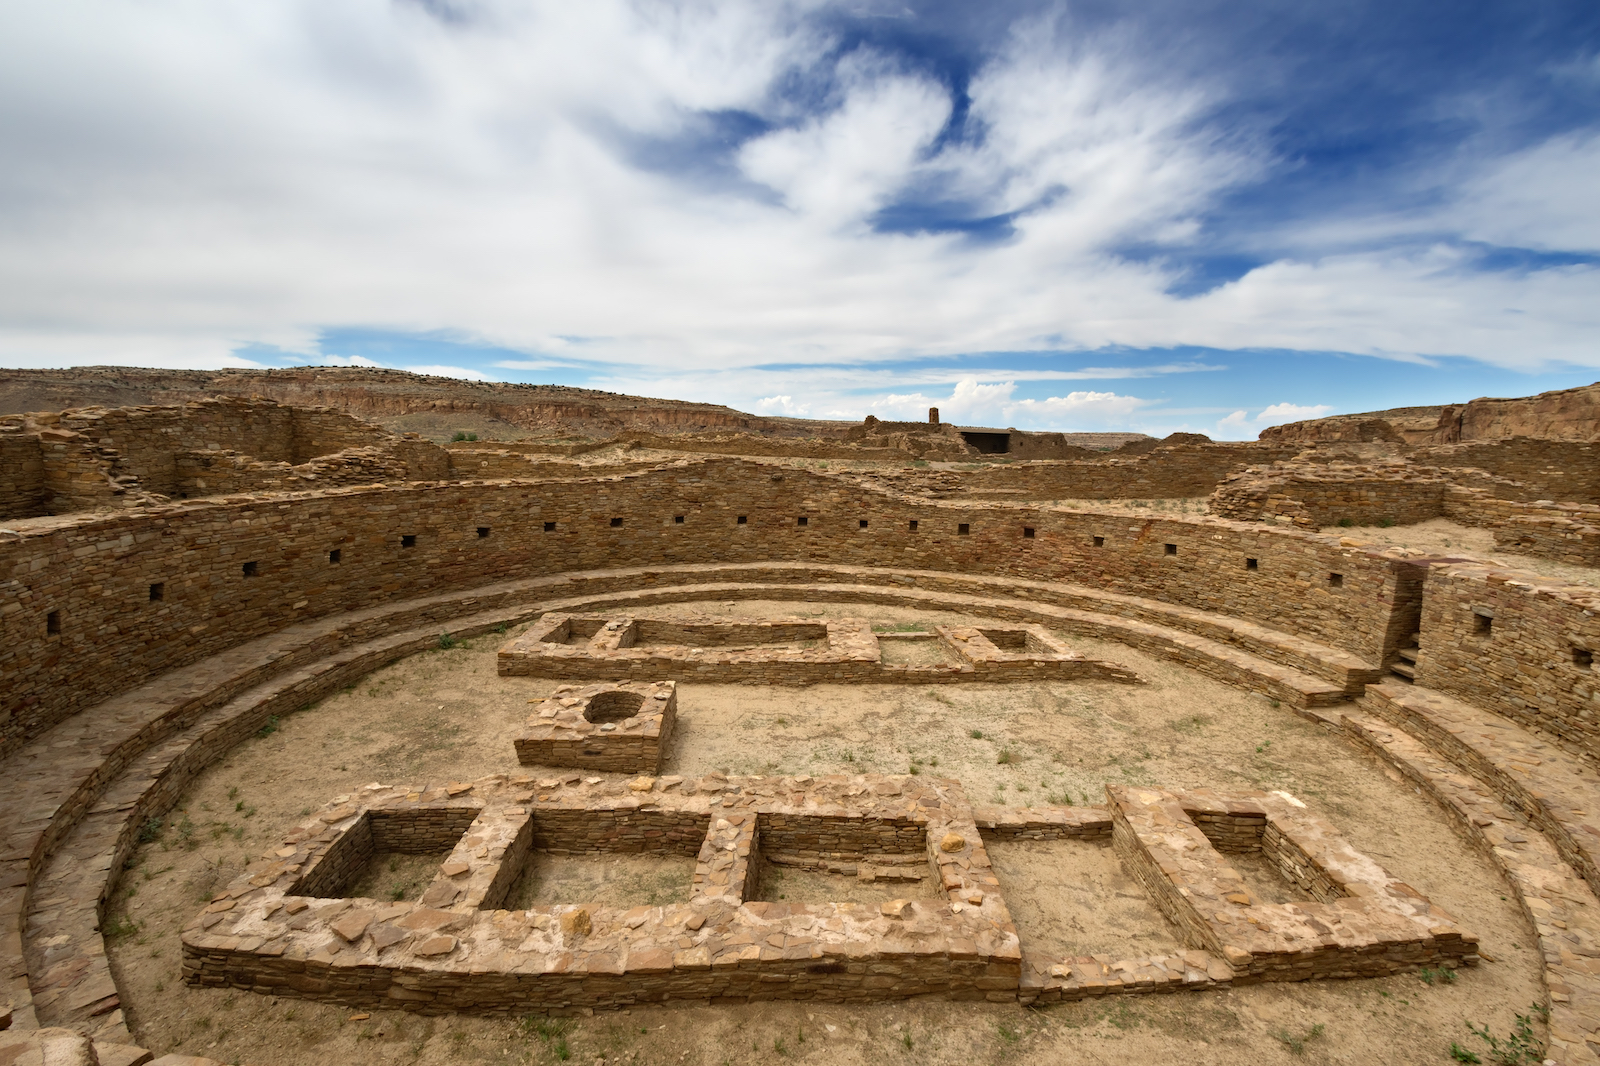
(1153, 216)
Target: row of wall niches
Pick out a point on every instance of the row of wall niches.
(252, 568)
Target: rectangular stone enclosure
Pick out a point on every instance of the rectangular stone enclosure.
(285, 927)
(795, 651)
(622, 728)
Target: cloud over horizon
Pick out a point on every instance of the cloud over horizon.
(746, 197)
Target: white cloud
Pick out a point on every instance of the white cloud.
(1290, 412)
(187, 178)
(1241, 426)
(1543, 197)
(449, 372)
(975, 403)
(842, 167)
(781, 405)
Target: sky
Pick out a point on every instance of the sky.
(1155, 216)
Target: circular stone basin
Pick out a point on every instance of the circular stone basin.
(613, 706)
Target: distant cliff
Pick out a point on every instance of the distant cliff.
(392, 397)
(1569, 414)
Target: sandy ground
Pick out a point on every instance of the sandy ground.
(445, 715)
(1451, 538)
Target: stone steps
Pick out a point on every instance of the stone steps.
(1561, 906)
(1558, 791)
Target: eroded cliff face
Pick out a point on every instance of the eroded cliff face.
(387, 395)
(1568, 414)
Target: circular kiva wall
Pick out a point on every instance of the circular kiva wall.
(177, 630)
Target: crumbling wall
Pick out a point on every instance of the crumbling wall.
(1523, 468)
(1169, 472)
(1313, 495)
(97, 458)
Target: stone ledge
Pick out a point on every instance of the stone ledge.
(1560, 905)
(1553, 788)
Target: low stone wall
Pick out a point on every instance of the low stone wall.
(1178, 471)
(1569, 532)
(449, 954)
(844, 651)
(1528, 468)
(1369, 925)
(1313, 495)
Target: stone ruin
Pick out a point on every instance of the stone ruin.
(289, 925)
(144, 638)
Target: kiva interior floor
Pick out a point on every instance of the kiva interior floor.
(445, 715)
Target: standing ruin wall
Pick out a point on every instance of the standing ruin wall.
(98, 458)
(1529, 468)
(1171, 472)
(232, 570)
(1515, 644)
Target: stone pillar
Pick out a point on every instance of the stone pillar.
(933, 416)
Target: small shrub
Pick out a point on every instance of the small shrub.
(150, 830)
(1461, 1054)
(270, 728)
(1385, 523)
(1005, 757)
(1345, 523)
(119, 928)
(1519, 1047)
(1297, 1044)
(462, 434)
(1444, 975)
(976, 734)
(446, 641)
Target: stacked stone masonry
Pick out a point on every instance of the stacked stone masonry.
(227, 645)
(621, 728)
(235, 568)
(795, 651)
(283, 927)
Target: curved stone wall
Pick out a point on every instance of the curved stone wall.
(247, 595)
(90, 605)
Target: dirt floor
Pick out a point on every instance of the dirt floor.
(445, 715)
(1444, 537)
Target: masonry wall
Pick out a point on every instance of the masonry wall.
(95, 575)
(1171, 472)
(1556, 470)
(1514, 647)
(1314, 497)
(22, 488)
